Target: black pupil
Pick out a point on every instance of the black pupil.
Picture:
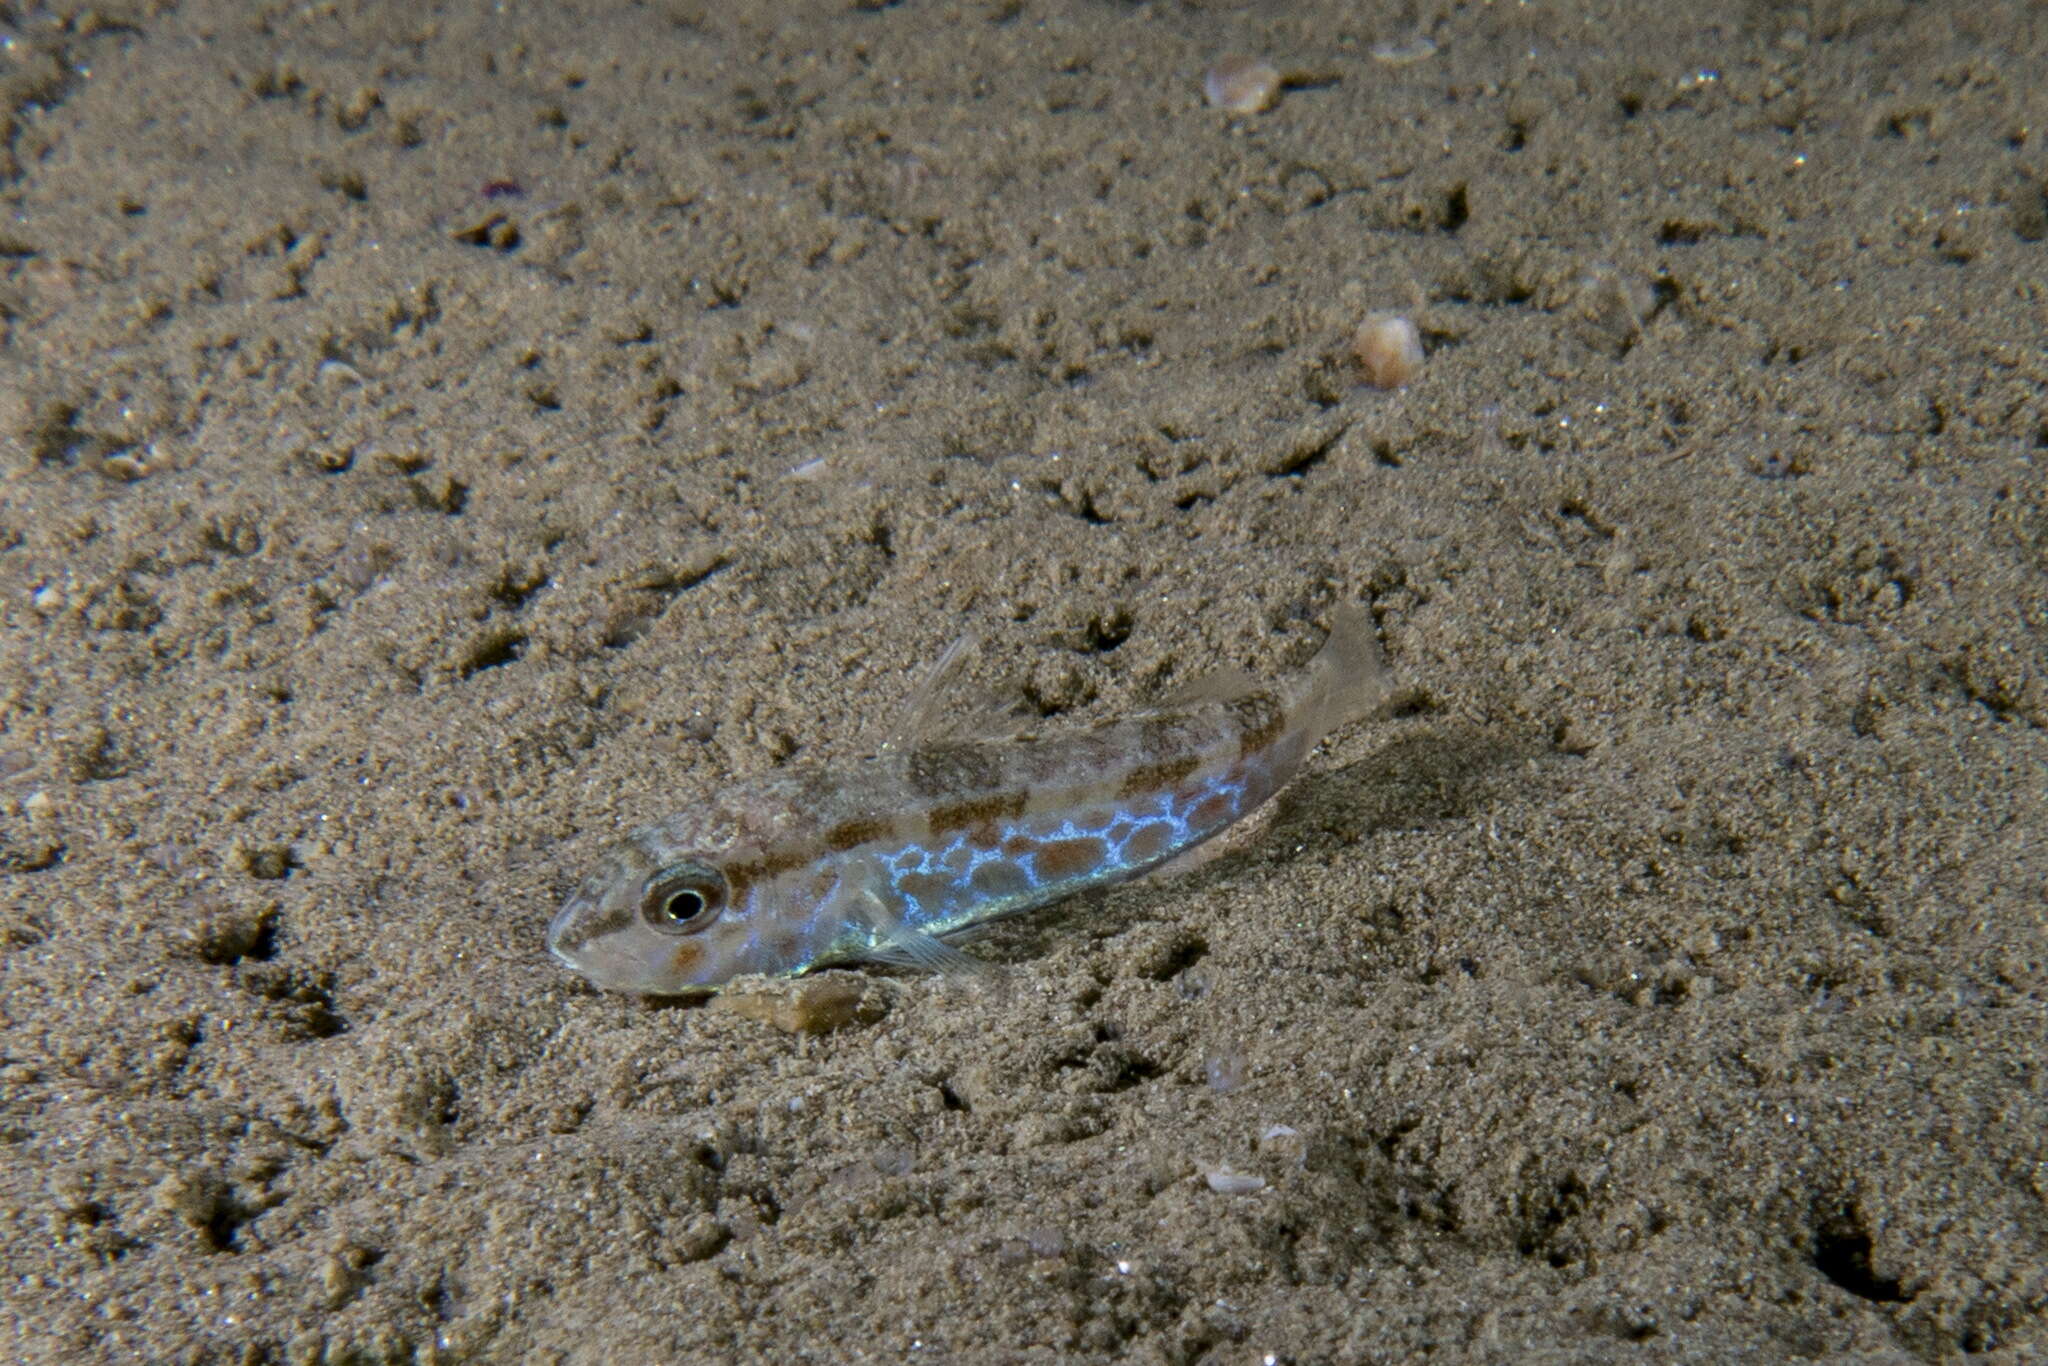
(683, 905)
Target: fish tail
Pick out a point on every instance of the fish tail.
(1348, 678)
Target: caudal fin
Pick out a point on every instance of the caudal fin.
(1348, 677)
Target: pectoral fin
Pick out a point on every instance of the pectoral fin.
(865, 902)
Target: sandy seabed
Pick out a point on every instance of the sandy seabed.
(436, 438)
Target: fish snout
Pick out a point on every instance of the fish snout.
(584, 921)
(562, 926)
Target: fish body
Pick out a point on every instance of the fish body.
(886, 857)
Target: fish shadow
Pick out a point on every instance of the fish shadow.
(1417, 780)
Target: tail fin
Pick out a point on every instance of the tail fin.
(1349, 675)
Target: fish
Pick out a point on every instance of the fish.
(934, 835)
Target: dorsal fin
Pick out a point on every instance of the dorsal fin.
(1224, 684)
(934, 713)
(1348, 677)
(923, 716)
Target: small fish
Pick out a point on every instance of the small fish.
(883, 858)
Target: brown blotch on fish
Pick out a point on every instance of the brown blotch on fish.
(610, 921)
(816, 789)
(854, 834)
(1065, 860)
(740, 876)
(686, 957)
(1152, 840)
(996, 806)
(1157, 734)
(785, 943)
(1157, 777)
(927, 889)
(1213, 810)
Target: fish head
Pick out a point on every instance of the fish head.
(660, 917)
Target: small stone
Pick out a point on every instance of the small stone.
(807, 1005)
(190, 1198)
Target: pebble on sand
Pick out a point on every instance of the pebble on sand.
(1388, 348)
(1242, 85)
(807, 1005)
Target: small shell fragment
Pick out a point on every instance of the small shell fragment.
(1242, 85)
(1388, 348)
(1226, 1180)
(1415, 48)
(1285, 1143)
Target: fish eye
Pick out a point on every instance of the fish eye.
(683, 899)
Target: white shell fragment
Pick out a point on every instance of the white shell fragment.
(1388, 349)
(1414, 48)
(1239, 84)
(1229, 1181)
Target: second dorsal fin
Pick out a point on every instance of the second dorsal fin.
(1223, 684)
